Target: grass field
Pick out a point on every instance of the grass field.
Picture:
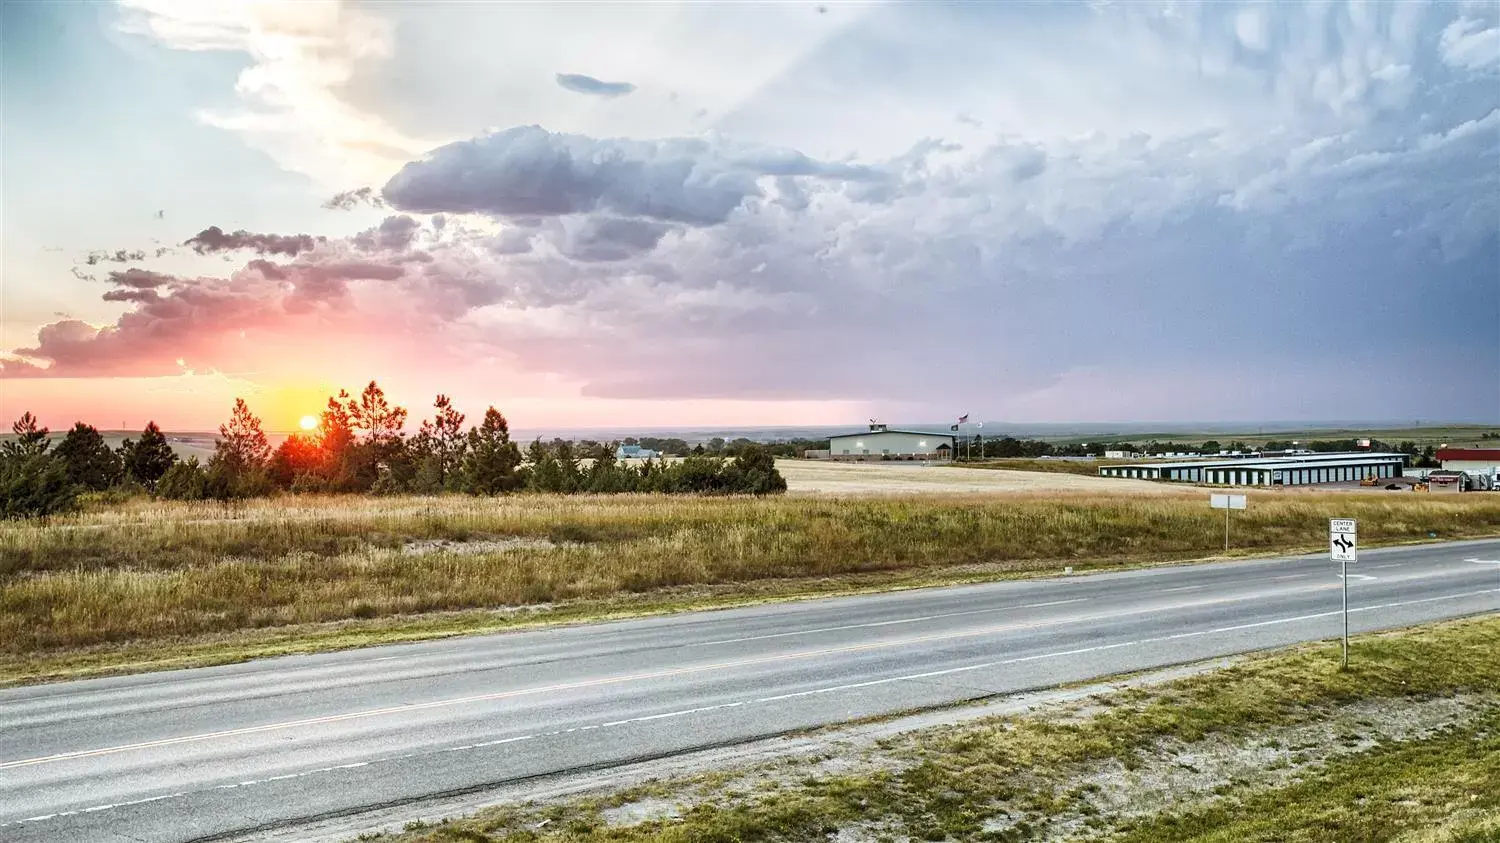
(153, 584)
(1004, 476)
(1085, 468)
(1404, 746)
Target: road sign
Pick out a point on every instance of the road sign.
(1343, 546)
(1226, 501)
(1343, 539)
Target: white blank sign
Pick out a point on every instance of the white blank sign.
(1226, 501)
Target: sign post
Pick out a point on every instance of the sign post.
(1343, 546)
(1226, 503)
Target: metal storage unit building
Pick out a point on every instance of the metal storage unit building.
(1307, 470)
(882, 442)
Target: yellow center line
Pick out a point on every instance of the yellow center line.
(612, 680)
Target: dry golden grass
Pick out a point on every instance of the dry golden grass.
(159, 571)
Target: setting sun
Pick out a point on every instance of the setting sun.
(308, 422)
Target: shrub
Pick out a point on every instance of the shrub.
(184, 481)
(35, 486)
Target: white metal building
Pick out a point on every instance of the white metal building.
(1302, 470)
(881, 442)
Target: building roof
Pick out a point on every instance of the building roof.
(1479, 454)
(945, 434)
(1317, 460)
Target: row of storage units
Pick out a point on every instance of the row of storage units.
(1307, 470)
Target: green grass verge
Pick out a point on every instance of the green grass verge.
(950, 783)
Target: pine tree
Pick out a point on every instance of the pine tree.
(382, 450)
(148, 458)
(439, 448)
(544, 475)
(88, 460)
(238, 468)
(242, 447)
(489, 465)
(380, 420)
(30, 441)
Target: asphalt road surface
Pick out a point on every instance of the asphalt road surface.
(211, 753)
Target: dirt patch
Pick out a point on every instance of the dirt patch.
(421, 547)
(1175, 775)
(641, 810)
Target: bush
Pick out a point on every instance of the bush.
(184, 481)
(309, 483)
(224, 482)
(756, 474)
(113, 496)
(35, 486)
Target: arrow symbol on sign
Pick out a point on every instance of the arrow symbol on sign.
(1343, 543)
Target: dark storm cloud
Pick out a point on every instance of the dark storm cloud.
(272, 271)
(139, 279)
(529, 171)
(214, 239)
(394, 234)
(580, 84)
(614, 239)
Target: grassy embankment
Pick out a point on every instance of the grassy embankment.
(148, 585)
(1330, 762)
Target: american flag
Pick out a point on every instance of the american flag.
(963, 418)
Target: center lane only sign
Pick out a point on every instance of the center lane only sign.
(1343, 539)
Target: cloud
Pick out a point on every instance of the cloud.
(1252, 29)
(614, 239)
(117, 256)
(232, 323)
(1163, 188)
(300, 56)
(213, 239)
(580, 84)
(347, 200)
(394, 234)
(528, 170)
(1469, 44)
(139, 279)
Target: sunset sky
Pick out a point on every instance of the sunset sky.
(799, 213)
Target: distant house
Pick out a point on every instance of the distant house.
(635, 452)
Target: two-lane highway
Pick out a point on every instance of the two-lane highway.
(208, 753)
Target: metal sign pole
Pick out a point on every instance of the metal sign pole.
(1344, 574)
(1226, 530)
(1343, 545)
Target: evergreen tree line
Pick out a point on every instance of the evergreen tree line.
(359, 446)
